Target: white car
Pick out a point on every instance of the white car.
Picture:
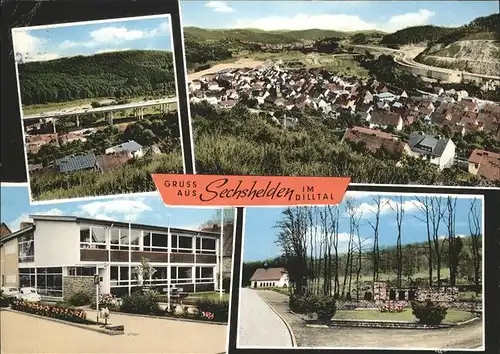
(9, 291)
(29, 294)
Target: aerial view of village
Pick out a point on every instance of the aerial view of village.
(382, 92)
(375, 272)
(99, 106)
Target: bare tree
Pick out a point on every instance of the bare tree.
(475, 244)
(376, 251)
(453, 252)
(423, 205)
(334, 213)
(398, 209)
(436, 215)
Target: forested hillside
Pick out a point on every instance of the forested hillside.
(118, 74)
(417, 34)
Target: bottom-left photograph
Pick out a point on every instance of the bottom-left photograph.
(124, 274)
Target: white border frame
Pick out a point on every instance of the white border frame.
(406, 194)
(80, 23)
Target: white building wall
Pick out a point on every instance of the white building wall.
(448, 157)
(56, 243)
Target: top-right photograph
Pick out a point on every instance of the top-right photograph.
(384, 92)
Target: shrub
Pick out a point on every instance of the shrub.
(323, 306)
(226, 285)
(79, 299)
(4, 300)
(141, 303)
(299, 303)
(61, 313)
(213, 310)
(336, 296)
(368, 296)
(428, 312)
(348, 296)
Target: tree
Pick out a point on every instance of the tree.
(422, 205)
(144, 271)
(398, 209)
(376, 251)
(476, 236)
(454, 248)
(436, 215)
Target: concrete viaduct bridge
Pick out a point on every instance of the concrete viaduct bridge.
(165, 105)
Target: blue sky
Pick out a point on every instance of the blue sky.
(387, 16)
(260, 233)
(94, 37)
(142, 208)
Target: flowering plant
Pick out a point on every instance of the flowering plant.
(66, 314)
(207, 315)
(391, 307)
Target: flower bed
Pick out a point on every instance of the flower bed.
(61, 313)
(391, 307)
(206, 310)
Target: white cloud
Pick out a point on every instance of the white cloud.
(127, 210)
(339, 22)
(115, 35)
(387, 206)
(15, 224)
(30, 48)
(110, 50)
(219, 6)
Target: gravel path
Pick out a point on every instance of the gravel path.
(22, 334)
(468, 336)
(258, 325)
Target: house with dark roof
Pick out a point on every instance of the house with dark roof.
(485, 163)
(131, 147)
(77, 163)
(269, 277)
(439, 150)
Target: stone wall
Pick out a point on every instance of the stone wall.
(227, 265)
(446, 294)
(75, 284)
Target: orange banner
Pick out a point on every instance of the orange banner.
(233, 191)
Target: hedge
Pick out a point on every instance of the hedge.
(61, 313)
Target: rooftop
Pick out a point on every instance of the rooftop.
(76, 163)
(268, 274)
(129, 146)
(425, 144)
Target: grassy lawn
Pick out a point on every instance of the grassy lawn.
(215, 296)
(452, 315)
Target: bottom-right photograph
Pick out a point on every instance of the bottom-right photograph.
(377, 271)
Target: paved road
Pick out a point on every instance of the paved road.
(258, 325)
(24, 334)
(466, 336)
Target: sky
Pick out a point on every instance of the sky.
(144, 208)
(387, 16)
(87, 38)
(260, 234)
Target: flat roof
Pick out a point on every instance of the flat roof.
(122, 224)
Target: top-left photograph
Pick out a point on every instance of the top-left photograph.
(99, 106)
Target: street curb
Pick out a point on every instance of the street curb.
(79, 325)
(168, 318)
(288, 327)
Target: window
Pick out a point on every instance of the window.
(121, 238)
(204, 274)
(183, 244)
(160, 276)
(159, 242)
(206, 245)
(92, 237)
(184, 275)
(81, 271)
(49, 281)
(26, 247)
(119, 275)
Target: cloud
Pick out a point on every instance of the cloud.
(219, 6)
(339, 22)
(127, 210)
(15, 224)
(387, 206)
(116, 35)
(30, 48)
(112, 50)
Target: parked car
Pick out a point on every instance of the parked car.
(29, 294)
(175, 292)
(9, 292)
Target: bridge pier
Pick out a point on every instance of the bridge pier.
(110, 117)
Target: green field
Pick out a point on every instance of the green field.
(215, 296)
(296, 59)
(452, 315)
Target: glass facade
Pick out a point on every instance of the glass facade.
(26, 248)
(47, 281)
